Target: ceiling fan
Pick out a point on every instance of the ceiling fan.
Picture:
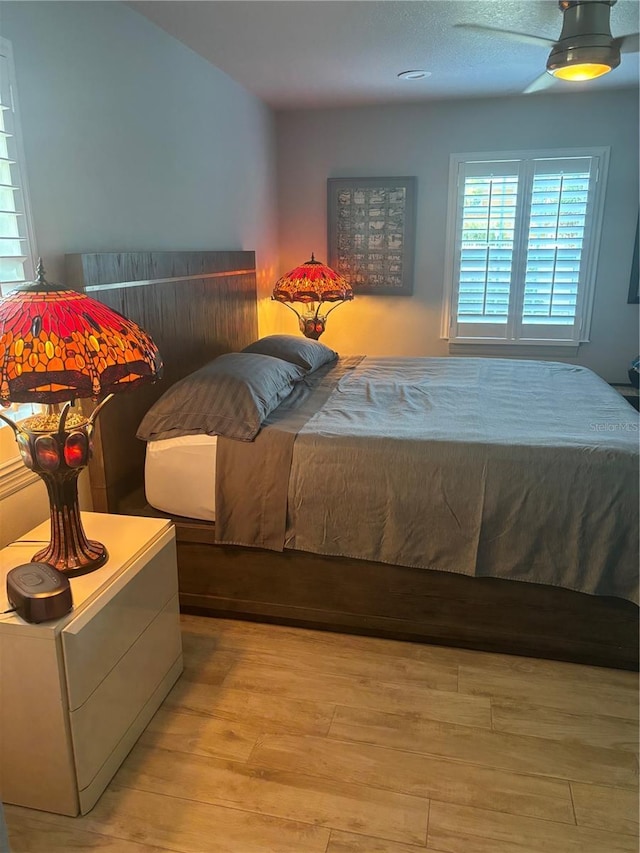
(585, 50)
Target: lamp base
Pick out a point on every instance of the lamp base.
(57, 447)
(69, 550)
(90, 559)
(312, 326)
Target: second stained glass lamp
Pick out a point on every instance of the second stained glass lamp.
(56, 346)
(312, 284)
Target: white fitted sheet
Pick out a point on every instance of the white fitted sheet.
(180, 476)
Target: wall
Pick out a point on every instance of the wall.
(417, 140)
(134, 142)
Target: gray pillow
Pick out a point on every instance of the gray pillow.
(306, 353)
(230, 396)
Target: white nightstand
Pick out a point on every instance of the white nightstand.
(76, 693)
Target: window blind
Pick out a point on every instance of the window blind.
(15, 233)
(486, 247)
(557, 222)
(524, 255)
(16, 240)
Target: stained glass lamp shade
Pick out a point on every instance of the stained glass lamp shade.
(311, 284)
(57, 346)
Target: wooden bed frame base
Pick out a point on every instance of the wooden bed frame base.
(401, 603)
(397, 602)
(197, 305)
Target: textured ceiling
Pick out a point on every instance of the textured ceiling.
(297, 53)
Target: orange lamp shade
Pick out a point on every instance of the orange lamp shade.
(312, 282)
(58, 345)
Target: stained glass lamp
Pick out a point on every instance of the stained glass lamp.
(57, 346)
(311, 284)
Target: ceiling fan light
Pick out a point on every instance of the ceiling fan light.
(577, 62)
(580, 71)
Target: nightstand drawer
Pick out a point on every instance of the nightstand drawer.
(95, 642)
(101, 723)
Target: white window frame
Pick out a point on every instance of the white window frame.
(19, 171)
(587, 288)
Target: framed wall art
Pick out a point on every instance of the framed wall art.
(371, 232)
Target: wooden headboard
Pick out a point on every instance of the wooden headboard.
(195, 306)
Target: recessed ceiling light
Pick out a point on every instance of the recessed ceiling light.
(415, 74)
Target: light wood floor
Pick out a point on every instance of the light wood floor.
(293, 741)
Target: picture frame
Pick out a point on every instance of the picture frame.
(371, 233)
(634, 283)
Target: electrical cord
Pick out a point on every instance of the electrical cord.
(10, 611)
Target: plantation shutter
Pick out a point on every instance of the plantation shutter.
(15, 249)
(558, 236)
(524, 249)
(487, 206)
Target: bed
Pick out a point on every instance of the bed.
(253, 566)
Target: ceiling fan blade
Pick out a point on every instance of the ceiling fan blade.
(542, 82)
(628, 43)
(527, 38)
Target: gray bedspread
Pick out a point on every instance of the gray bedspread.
(487, 467)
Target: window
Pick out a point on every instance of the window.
(523, 237)
(16, 247)
(16, 236)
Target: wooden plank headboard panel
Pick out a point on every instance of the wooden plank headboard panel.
(195, 305)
